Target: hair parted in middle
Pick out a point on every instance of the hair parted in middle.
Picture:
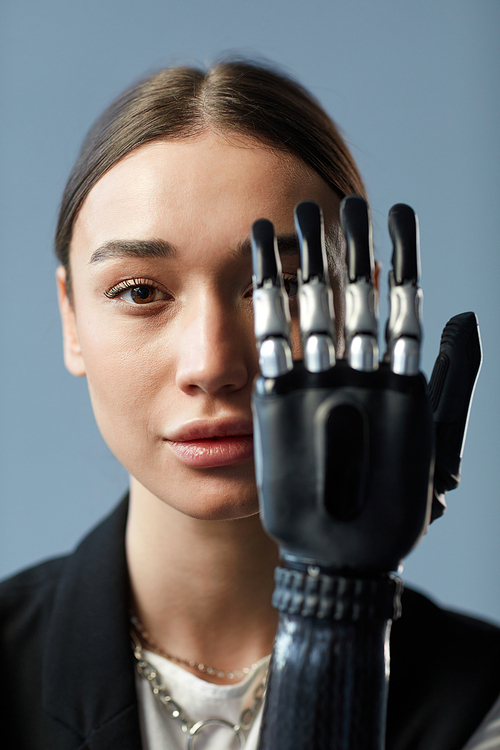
(238, 96)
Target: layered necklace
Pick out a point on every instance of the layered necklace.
(191, 728)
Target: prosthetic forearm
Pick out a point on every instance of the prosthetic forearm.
(345, 453)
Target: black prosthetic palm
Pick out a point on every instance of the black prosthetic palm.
(345, 464)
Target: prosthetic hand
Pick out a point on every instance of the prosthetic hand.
(345, 450)
(353, 457)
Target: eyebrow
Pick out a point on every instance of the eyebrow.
(288, 244)
(154, 248)
(157, 248)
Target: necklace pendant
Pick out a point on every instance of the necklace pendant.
(200, 725)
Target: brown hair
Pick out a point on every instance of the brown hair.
(180, 102)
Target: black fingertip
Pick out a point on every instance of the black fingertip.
(451, 389)
(265, 258)
(310, 231)
(461, 350)
(356, 224)
(403, 228)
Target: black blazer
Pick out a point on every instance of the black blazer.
(68, 674)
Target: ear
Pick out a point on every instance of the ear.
(73, 358)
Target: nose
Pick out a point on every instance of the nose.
(217, 352)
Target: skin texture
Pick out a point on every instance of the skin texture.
(201, 567)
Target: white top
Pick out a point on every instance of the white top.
(198, 699)
(203, 700)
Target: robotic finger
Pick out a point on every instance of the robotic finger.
(404, 329)
(271, 307)
(361, 319)
(317, 317)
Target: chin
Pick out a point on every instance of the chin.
(218, 513)
(221, 506)
(224, 494)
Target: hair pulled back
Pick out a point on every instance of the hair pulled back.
(181, 102)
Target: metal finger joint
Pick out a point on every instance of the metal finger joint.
(360, 309)
(272, 316)
(316, 308)
(405, 312)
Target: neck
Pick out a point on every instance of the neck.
(202, 589)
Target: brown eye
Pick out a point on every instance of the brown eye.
(142, 294)
(136, 292)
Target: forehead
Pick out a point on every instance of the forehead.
(212, 186)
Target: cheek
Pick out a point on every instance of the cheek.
(125, 370)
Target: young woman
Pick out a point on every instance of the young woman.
(155, 291)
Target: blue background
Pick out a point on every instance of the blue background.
(414, 86)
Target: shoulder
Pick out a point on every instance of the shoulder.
(437, 655)
(62, 623)
(419, 603)
(32, 577)
(26, 599)
(26, 607)
(445, 639)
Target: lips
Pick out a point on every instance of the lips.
(207, 444)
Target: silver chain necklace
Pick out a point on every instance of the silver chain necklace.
(146, 638)
(191, 728)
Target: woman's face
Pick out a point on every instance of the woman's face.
(161, 319)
